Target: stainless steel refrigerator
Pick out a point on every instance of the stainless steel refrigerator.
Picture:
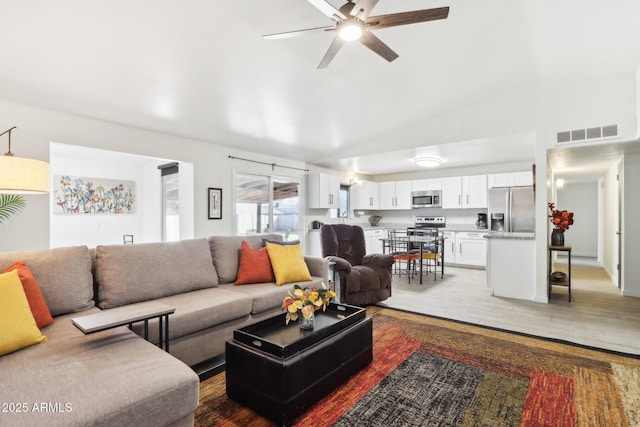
(512, 209)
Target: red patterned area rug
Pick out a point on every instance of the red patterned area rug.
(434, 372)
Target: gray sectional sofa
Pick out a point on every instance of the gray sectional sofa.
(115, 377)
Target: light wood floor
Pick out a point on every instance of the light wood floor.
(597, 315)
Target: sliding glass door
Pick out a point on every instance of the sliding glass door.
(267, 204)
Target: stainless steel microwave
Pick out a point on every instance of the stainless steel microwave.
(426, 199)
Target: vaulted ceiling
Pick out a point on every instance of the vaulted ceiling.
(201, 69)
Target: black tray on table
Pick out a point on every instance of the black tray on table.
(276, 338)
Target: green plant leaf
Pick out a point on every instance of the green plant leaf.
(10, 204)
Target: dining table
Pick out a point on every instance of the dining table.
(425, 245)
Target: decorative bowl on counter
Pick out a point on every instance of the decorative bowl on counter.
(374, 220)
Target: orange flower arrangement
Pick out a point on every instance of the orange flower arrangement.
(561, 220)
(306, 300)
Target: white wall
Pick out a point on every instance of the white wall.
(144, 223)
(95, 229)
(631, 225)
(610, 212)
(582, 200)
(37, 127)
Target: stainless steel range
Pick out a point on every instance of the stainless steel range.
(424, 223)
(427, 226)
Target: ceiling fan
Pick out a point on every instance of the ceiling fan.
(352, 22)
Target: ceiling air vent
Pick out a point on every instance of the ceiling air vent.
(599, 132)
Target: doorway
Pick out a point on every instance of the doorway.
(586, 181)
(143, 221)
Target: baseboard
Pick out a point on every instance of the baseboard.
(210, 367)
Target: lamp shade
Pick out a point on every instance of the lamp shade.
(23, 176)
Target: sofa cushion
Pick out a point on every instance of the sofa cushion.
(64, 276)
(200, 310)
(268, 296)
(109, 378)
(255, 266)
(127, 274)
(288, 263)
(37, 303)
(225, 251)
(18, 328)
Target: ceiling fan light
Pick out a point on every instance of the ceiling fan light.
(350, 32)
(428, 162)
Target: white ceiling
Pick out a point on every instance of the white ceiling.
(200, 69)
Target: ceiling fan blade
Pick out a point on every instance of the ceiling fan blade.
(376, 45)
(331, 53)
(327, 9)
(363, 8)
(298, 33)
(404, 18)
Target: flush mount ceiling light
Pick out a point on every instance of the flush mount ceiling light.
(19, 175)
(428, 162)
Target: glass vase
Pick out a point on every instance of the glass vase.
(307, 323)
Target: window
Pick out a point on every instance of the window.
(267, 204)
(343, 210)
(170, 205)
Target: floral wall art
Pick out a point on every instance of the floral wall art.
(79, 195)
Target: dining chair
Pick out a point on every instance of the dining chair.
(400, 247)
(432, 253)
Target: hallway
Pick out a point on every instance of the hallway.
(597, 316)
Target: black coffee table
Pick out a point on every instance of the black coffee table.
(280, 370)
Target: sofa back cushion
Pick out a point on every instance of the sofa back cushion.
(63, 274)
(126, 274)
(225, 251)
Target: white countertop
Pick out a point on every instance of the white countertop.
(511, 235)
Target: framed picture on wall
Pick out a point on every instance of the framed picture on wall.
(215, 203)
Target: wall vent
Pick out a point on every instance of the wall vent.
(599, 132)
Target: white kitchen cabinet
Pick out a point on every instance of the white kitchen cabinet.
(471, 248)
(474, 191)
(510, 179)
(524, 179)
(395, 195)
(465, 248)
(464, 192)
(324, 191)
(426, 184)
(373, 242)
(449, 250)
(365, 195)
(434, 184)
(452, 192)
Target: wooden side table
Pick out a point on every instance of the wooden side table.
(550, 281)
(128, 315)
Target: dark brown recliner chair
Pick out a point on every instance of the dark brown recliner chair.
(364, 279)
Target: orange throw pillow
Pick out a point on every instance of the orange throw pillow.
(36, 300)
(255, 266)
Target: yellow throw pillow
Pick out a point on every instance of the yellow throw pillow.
(18, 328)
(288, 263)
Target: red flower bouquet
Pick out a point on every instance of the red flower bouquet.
(561, 220)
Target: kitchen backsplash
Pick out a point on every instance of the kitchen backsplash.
(456, 218)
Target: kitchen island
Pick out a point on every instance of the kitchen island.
(511, 265)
